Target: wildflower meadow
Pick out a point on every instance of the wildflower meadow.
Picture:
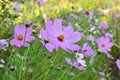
(59, 39)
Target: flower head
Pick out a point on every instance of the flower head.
(64, 37)
(27, 24)
(80, 60)
(87, 50)
(104, 44)
(22, 36)
(75, 64)
(109, 35)
(104, 26)
(3, 44)
(118, 63)
(16, 6)
(41, 2)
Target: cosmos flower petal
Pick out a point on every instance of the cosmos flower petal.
(76, 65)
(72, 37)
(58, 24)
(48, 24)
(68, 60)
(16, 43)
(43, 33)
(68, 30)
(26, 44)
(63, 46)
(82, 62)
(118, 63)
(50, 47)
(41, 2)
(73, 47)
(80, 68)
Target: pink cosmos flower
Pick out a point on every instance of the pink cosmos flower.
(104, 44)
(22, 36)
(79, 58)
(87, 50)
(16, 6)
(3, 44)
(109, 35)
(41, 2)
(104, 25)
(75, 64)
(118, 63)
(64, 37)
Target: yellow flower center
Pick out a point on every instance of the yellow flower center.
(61, 38)
(20, 37)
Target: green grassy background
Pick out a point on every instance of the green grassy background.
(45, 65)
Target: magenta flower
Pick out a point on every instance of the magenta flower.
(75, 64)
(104, 44)
(118, 63)
(104, 26)
(16, 6)
(109, 35)
(22, 36)
(41, 2)
(3, 44)
(87, 50)
(64, 37)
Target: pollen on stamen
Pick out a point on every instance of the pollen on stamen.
(61, 38)
(20, 37)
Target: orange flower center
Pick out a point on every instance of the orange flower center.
(103, 45)
(84, 51)
(61, 38)
(20, 37)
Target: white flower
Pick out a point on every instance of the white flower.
(1, 66)
(79, 58)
